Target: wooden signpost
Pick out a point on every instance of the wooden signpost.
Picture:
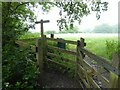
(41, 48)
(41, 22)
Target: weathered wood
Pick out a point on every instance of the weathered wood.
(81, 42)
(57, 63)
(87, 76)
(115, 79)
(77, 58)
(63, 41)
(29, 39)
(40, 54)
(82, 76)
(41, 22)
(51, 35)
(93, 83)
(101, 61)
(21, 43)
(63, 50)
(59, 57)
(87, 66)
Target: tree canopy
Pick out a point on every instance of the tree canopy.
(17, 17)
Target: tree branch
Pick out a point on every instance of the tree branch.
(19, 6)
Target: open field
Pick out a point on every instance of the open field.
(95, 42)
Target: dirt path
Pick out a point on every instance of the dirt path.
(54, 79)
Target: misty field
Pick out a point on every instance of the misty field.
(97, 43)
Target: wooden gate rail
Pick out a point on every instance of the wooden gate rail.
(62, 50)
(21, 43)
(63, 41)
(86, 72)
(102, 61)
(60, 57)
(29, 39)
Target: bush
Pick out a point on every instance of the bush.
(112, 47)
(19, 68)
(29, 35)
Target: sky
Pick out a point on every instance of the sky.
(88, 22)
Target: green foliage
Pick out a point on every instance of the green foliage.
(65, 67)
(19, 68)
(112, 47)
(15, 16)
(73, 11)
(74, 29)
(27, 35)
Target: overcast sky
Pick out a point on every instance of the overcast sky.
(88, 22)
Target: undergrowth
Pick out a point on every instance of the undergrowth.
(19, 68)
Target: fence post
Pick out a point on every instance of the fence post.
(82, 44)
(115, 79)
(51, 35)
(79, 62)
(77, 57)
(40, 55)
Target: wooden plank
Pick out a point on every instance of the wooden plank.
(88, 66)
(81, 84)
(102, 61)
(45, 21)
(49, 60)
(27, 45)
(58, 56)
(88, 78)
(29, 39)
(103, 79)
(63, 41)
(115, 79)
(94, 84)
(83, 75)
(84, 82)
(63, 50)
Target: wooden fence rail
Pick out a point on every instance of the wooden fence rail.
(84, 70)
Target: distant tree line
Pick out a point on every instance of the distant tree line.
(105, 28)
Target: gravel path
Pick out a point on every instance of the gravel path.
(54, 79)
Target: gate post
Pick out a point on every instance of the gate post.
(77, 57)
(114, 78)
(41, 52)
